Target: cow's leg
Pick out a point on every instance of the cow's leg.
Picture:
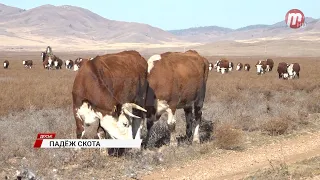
(172, 125)
(189, 122)
(198, 105)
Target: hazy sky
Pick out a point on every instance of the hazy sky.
(178, 14)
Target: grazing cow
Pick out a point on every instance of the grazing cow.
(247, 67)
(293, 70)
(210, 66)
(270, 64)
(239, 66)
(230, 66)
(109, 92)
(57, 63)
(177, 80)
(6, 64)
(27, 63)
(69, 64)
(224, 66)
(282, 70)
(78, 63)
(261, 67)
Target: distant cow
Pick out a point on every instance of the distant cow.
(57, 62)
(27, 63)
(261, 67)
(239, 67)
(6, 64)
(69, 64)
(178, 80)
(78, 63)
(282, 70)
(108, 92)
(270, 64)
(224, 66)
(210, 66)
(293, 70)
(230, 66)
(247, 67)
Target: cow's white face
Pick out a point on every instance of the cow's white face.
(285, 75)
(4, 64)
(218, 68)
(76, 67)
(223, 70)
(210, 68)
(23, 62)
(56, 63)
(50, 61)
(117, 128)
(290, 70)
(259, 69)
(238, 67)
(67, 62)
(230, 68)
(246, 68)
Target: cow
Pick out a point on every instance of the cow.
(108, 92)
(270, 64)
(239, 66)
(69, 64)
(282, 70)
(78, 63)
(230, 66)
(261, 67)
(27, 63)
(57, 62)
(210, 66)
(293, 70)
(177, 81)
(5, 64)
(247, 67)
(223, 66)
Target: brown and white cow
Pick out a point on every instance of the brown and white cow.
(5, 64)
(246, 67)
(27, 63)
(109, 92)
(57, 62)
(293, 70)
(261, 67)
(78, 63)
(178, 81)
(283, 70)
(69, 64)
(224, 66)
(239, 66)
(270, 64)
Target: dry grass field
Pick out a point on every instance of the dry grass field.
(248, 111)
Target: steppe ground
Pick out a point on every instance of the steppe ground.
(262, 126)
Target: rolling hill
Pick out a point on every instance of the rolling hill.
(67, 27)
(277, 31)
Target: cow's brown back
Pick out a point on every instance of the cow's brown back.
(177, 77)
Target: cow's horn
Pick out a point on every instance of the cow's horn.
(137, 107)
(126, 111)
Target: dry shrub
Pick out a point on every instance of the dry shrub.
(276, 126)
(227, 137)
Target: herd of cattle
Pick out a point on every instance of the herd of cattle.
(285, 70)
(121, 94)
